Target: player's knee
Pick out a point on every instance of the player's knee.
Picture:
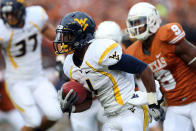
(32, 117)
(54, 115)
(33, 122)
(106, 127)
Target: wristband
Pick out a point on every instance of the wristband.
(152, 98)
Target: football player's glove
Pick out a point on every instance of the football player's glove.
(67, 101)
(157, 112)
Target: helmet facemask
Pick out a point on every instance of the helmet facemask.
(137, 27)
(66, 41)
(75, 32)
(13, 13)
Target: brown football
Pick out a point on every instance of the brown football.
(78, 88)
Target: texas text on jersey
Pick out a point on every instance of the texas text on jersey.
(172, 73)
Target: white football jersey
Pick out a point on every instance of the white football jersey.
(112, 87)
(22, 46)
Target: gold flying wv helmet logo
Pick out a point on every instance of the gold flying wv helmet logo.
(21, 1)
(82, 23)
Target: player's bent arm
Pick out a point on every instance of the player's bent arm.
(148, 79)
(49, 31)
(129, 64)
(187, 52)
(149, 82)
(132, 65)
(86, 104)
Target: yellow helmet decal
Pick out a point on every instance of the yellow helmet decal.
(21, 1)
(82, 22)
(64, 46)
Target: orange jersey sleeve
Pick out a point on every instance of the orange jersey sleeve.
(171, 33)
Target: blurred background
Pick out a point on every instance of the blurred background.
(181, 11)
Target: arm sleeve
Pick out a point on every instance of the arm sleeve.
(39, 16)
(172, 33)
(44, 17)
(129, 64)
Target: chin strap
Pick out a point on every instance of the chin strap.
(86, 40)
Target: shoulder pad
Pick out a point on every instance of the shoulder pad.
(171, 33)
(4, 32)
(37, 15)
(104, 52)
(133, 48)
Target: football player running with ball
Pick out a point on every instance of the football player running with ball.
(171, 58)
(101, 67)
(20, 40)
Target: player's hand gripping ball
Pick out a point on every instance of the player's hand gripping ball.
(78, 88)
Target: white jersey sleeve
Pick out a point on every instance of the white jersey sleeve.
(38, 16)
(1, 38)
(104, 52)
(4, 34)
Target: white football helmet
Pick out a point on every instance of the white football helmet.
(145, 15)
(109, 30)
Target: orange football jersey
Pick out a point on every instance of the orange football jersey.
(177, 80)
(5, 103)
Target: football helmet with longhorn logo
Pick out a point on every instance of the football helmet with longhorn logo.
(13, 12)
(75, 31)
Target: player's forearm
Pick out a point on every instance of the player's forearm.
(85, 105)
(49, 31)
(187, 52)
(148, 80)
(129, 64)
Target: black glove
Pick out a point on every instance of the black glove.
(67, 101)
(157, 112)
